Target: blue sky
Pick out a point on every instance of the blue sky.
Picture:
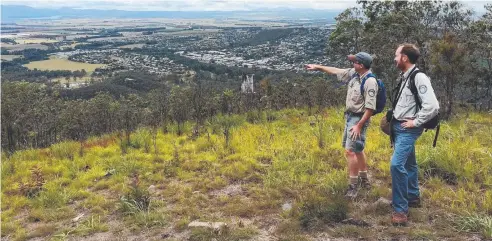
(201, 5)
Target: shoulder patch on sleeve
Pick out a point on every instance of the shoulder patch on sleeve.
(422, 89)
(371, 93)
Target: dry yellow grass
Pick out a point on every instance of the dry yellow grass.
(264, 166)
(62, 64)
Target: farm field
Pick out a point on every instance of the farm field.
(35, 41)
(10, 57)
(17, 47)
(62, 64)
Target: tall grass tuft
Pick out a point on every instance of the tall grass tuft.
(65, 150)
(475, 223)
(323, 205)
(137, 204)
(32, 188)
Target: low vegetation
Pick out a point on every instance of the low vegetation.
(265, 178)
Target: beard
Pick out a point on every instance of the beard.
(400, 64)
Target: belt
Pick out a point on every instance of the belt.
(400, 121)
(354, 114)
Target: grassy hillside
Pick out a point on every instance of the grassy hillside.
(270, 181)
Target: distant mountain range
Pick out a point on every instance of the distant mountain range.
(11, 13)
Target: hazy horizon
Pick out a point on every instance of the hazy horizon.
(187, 5)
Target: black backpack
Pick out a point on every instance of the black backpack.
(433, 123)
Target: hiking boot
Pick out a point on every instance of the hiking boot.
(415, 203)
(399, 219)
(364, 183)
(351, 191)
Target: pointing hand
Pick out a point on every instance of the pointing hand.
(311, 66)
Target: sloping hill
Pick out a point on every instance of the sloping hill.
(271, 181)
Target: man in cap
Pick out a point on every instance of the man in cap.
(359, 109)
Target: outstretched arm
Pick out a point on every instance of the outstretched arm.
(326, 69)
(343, 75)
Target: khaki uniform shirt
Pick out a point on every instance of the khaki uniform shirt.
(357, 102)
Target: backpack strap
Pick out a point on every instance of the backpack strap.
(399, 88)
(436, 135)
(413, 89)
(364, 82)
(346, 83)
(340, 84)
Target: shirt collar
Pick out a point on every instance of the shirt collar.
(364, 75)
(405, 75)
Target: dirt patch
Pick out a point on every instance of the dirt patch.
(231, 190)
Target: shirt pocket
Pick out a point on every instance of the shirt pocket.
(356, 97)
(407, 99)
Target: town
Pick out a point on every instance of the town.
(168, 50)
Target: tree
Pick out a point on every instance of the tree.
(159, 107)
(226, 123)
(130, 115)
(180, 106)
(18, 102)
(226, 99)
(378, 27)
(448, 60)
(480, 61)
(104, 113)
(75, 118)
(346, 38)
(199, 99)
(157, 113)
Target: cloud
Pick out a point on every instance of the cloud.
(188, 5)
(204, 5)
